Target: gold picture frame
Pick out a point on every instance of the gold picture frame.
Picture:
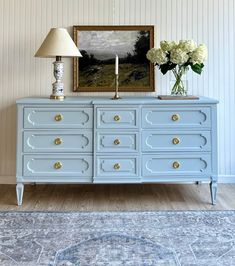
(94, 72)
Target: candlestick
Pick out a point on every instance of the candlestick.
(116, 96)
(116, 65)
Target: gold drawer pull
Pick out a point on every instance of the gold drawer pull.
(58, 141)
(117, 166)
(117, 118)
(175, 117)
(58, 165)
(58, 117)
(176, 141)
(117, 142)
(176, 165)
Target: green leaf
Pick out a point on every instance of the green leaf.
(166, 67)
(172, 66)
(197, 68)
(187, 64)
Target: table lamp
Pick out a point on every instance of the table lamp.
(58, 43)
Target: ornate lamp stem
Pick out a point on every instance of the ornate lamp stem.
(58, 85)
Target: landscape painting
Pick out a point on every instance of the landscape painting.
(95, 70)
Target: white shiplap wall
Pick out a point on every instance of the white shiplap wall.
(24, 24)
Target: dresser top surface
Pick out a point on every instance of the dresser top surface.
(107, 100)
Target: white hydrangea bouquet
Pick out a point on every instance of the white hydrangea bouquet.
(178, 57)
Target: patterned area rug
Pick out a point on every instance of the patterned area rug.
(205, 238)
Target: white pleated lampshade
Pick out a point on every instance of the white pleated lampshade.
(58, 43)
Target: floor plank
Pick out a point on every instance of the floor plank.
(148, 197)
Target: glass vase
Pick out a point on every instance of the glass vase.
(179, 88)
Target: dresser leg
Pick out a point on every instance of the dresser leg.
(19, 193)
(213, 187)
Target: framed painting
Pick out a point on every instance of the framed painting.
(99, 45)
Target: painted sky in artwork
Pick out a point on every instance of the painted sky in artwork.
(106, 44)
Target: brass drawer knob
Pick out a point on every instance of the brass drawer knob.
(175, 117)
(58, 117)
(58, 165)
(176, 165)
(117, 142)
(117, 118)
(58, 141)
(176, 141)
(117, 166)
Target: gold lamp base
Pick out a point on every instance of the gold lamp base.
(55, 97)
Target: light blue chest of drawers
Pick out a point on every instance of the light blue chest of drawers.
(132, 140)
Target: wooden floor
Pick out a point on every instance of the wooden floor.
(117, 197)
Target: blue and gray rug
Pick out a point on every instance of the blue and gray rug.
(205, 238)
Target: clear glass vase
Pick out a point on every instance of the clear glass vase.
(179, 88)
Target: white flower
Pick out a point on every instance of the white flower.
(157, 56)
(168, 46)
(187, 46)
(151, 55)
(199, 55)
(178, 56)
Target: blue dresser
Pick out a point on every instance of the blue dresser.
(132, 140)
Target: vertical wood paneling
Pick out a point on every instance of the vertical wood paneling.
(24, 24)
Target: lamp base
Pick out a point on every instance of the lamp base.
(56, 97)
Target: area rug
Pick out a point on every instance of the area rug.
(205, 238)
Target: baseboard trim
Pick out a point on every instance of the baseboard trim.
(224, 179)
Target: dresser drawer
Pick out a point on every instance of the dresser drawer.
(58, 141)
(175, 164)
(119, 118)
(119, 142)
(176, 141)
(58, 117)
(176, 117)
(118, 166)
(57, 165)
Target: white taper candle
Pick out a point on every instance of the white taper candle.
(116, 65)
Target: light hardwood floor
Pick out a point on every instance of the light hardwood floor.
(117, 197)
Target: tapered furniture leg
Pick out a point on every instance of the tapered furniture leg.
(19, 193)
(213, 187)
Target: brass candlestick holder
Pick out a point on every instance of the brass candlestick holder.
(116, 96)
